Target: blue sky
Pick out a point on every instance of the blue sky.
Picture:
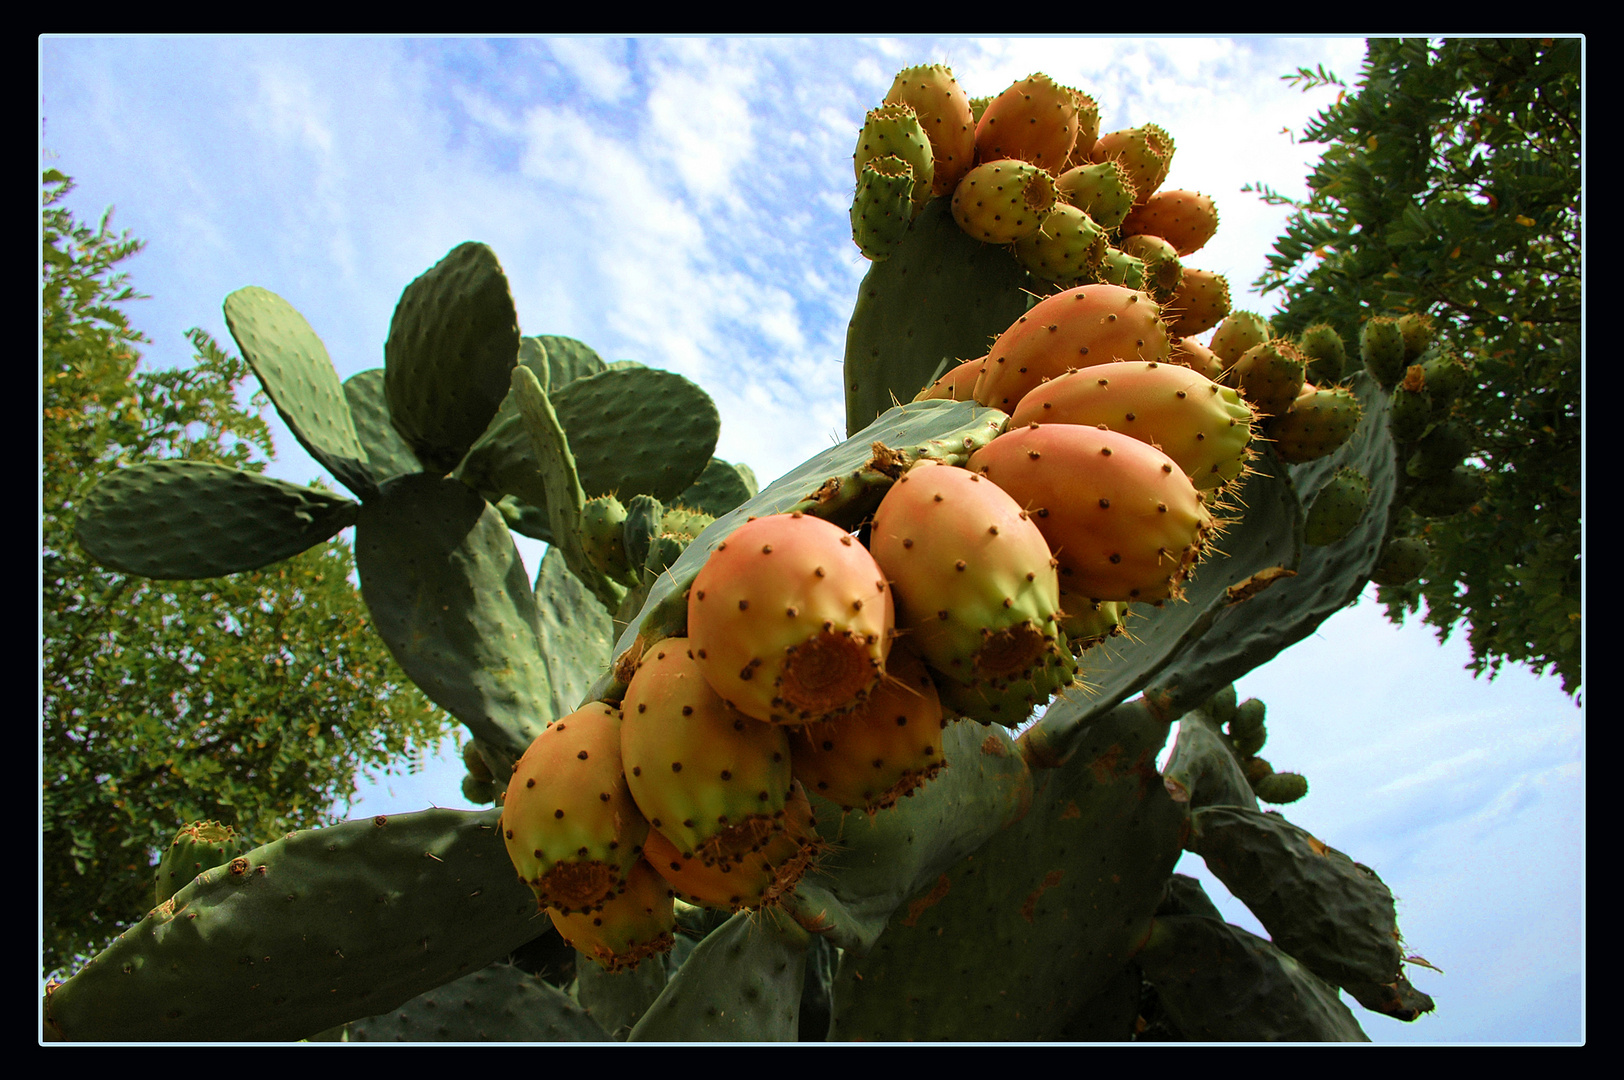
(682, 202)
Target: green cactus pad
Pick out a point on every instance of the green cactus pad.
(293, 366)
(719, 489)
(575, 633)
(741, 984)
(567, 360)
(192, 519)
(1333, 915)
(387, 453)
(499, 1003)
(1041, 918)
(294, 937)
(1202, 770)
(452, 343)
(1220, 983)
(637, 431)
(941, 293)
(449, 595)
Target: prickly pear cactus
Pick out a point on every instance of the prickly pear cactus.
(924, 812)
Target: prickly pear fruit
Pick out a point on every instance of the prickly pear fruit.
(975, 585)
(1409, 408)
(943, 109)
(958, 384)
(1089, 622)
(629, 928)
(1146, 152)
(1204, 427)
(710, 779)
(1000, 202)
(1201, 302)
(200, 846)
(1445, 375)
(756, 879)
(873, 756)
(790, 619)
(895, 131)
(1164, 273)
(1034, 120)
(1080, 327)
(883, 207)
(1102, 190)
(1120, 268)
(1068, 246)
(1337, 507)
(1417, 331)
(1381, 346)
(1270, 375)
(1121, 517)
(1011, 702)
(1316, 424)
(1402, 560)
(475, 762)
(1326, 353)
(1185, 219)
(1197, 357)
(602, 521)
(569, 822)
(1281, 788)
(1240, 331)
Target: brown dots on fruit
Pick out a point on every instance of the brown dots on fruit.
(676, 766)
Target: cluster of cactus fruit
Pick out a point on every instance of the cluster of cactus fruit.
(870, 753)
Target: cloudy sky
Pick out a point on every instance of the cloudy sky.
(683, 202)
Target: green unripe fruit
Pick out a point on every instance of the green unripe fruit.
(1417, 331)
(479, 792)
(1221, 706)
(1067, 247)
(895, 131)
(1316, 424)
(1381, 346)
(883, 206)
(1248, 715)
(1281, 787)
(200, 846)
(1104, 191)
(1250, 741)
(602, 538)
(1327, 355)
(1164, 273)
(474, 762)
(1240, 331)
(1445, 375)
(1256, 770)
(1410, 408)
(1270, 375)
(1120, 268)
(1337, 507)
(1402, 560)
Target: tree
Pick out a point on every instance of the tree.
(252, 700)
(1451, 188)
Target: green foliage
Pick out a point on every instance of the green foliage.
(252, 699)
(1450, 187)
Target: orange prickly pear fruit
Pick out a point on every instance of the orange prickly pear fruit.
(628, 929)
(943, 109)
(569, 822)
(1034, 120)
(790, 619)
